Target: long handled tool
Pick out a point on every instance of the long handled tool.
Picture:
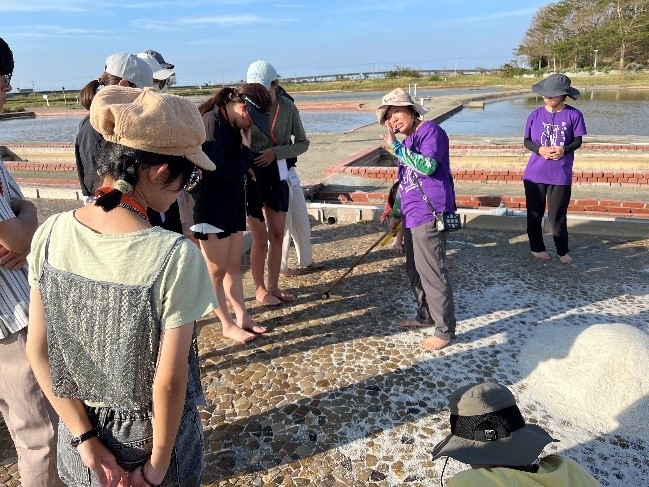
(382, 240)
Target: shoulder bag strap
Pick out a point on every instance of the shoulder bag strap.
(423, 194)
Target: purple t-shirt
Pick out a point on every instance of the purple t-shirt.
(548, 129)
(429, 140)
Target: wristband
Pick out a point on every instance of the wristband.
(147, 481)
(77, 440)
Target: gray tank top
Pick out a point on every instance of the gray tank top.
(103, 338)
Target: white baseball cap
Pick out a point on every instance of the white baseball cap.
(261, 72)
(158, 71)
(131, 68)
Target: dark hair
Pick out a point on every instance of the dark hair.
(89, 91)
(6, 58)
(121, 162)
(392, 195)
(255, 91)
(415, 112)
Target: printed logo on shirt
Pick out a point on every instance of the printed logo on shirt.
(407, 182)
(553, 135)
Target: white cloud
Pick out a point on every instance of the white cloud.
(46, 5)
(497, 15)
(232, 20)
(288, 5)
(62, 32)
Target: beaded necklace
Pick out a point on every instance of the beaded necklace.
(125, 201)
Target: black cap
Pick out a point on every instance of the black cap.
(158, 57)
(259, 118)
(6, 58)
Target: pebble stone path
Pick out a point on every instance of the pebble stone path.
(336, 394)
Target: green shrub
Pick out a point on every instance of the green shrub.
(403, 73)
(635, 67)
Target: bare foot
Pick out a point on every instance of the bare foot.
(283, 297)
(233, 332)
(434, 343)
(250, 325)
(267, 299)
(565, 259)
(541, 255)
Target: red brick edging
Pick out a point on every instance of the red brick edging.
(359, 165)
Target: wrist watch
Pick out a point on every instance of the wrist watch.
(77, 440)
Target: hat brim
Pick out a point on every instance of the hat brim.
(259, 118)
(540, 89)
(163, 74)
(200, 159)
(522, 447)
(381, 111)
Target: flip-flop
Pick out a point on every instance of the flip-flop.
(413, 323)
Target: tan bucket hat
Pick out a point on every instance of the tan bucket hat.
(487, 428)
(151, 121)
(398, 98)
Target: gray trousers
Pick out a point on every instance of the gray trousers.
(425, 250)
(28, 415)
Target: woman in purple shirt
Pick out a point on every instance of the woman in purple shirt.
(553, 133)
(423, 168)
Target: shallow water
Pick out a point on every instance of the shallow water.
(607, 112)
(40, 129)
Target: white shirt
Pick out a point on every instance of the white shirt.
(14, 287)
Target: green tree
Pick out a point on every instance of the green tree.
(567, 32)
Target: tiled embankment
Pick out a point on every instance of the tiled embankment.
(503, 165)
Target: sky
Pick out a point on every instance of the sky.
(64, 43)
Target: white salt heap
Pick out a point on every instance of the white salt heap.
(601, 384)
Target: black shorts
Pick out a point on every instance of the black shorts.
(268, 190)
(223, 205)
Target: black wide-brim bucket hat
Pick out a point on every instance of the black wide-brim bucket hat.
(556, 85)
(487, 428)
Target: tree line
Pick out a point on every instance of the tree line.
(588, 34)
